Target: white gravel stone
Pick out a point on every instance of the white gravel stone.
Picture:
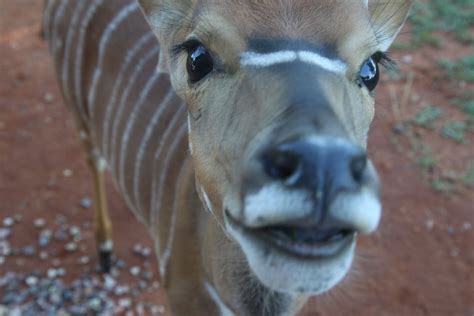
(39, 222)
(8, 221)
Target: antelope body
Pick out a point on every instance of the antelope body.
(236, 131)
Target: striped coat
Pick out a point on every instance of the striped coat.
(106, 61)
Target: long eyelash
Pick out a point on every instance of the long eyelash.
(383, 59)
(184, 47)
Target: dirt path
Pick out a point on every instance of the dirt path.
(421, 261)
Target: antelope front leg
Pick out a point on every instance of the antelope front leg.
(103, 224)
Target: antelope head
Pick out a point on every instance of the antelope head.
(280, 98)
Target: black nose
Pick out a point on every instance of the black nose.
(323, 166)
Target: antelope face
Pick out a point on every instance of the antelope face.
(280, 100)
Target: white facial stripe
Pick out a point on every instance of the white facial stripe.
(275, 204)
(362, 210)
(323, 62)
(265, 60)
(252, 59)
(224, 310)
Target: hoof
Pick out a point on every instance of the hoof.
(105, 260)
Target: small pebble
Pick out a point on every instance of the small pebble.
(85, 203)
(120, 264)
(429, 224)
(28, 251)
(147, 275)
(109, 282)
(60, 235)
(115, 273)
(71, 247)
(31, 280)
(125, 302)
(51, 273)
(48, 97)
(95, 304)
(399, 128)
(137, 248)
(142, 285)
(465, 226)
(39, 222)
(5, 249)
(8, 221)
(60, 272)
(74, 231)
(121, 290)
(407, 59)
(5, 233)
(45, 238)
(43, 255)
(67, 173)
(84, 260)
(140, 309)
(157, 309)
(146, 251)
(135, 270)
(60, 219)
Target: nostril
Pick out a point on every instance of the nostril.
(280, 164)
(358, 165)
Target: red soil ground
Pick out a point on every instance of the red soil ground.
(420, 262)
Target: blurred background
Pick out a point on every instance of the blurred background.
(420, 262)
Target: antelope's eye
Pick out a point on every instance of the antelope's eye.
(199, 63)
(369, 73)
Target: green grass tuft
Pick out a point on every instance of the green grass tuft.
(455, 16)
(442, 186)
(462, 68)
(427, 116)
(455, 131)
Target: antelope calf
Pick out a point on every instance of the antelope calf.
(236, 131)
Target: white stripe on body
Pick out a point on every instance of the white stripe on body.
(137, 107)
(47, 20)
(103, 45)
(261, 60)
(120, 78)
(146, 138)
(155, 203)
(57, 43)
(80, 55)
(164, 258)
(123, 102)
(224, 310)
(67, 49)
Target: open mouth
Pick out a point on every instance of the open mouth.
(304, 242)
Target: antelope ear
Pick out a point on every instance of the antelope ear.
(164, 18)
(165, 15)
(388, 17)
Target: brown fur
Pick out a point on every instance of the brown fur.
(234, 113)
